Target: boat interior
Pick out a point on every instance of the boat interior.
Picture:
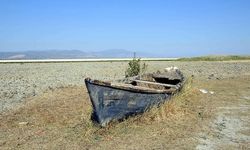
(155, 82)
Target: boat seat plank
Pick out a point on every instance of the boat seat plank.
(155, 83)
(140, 88)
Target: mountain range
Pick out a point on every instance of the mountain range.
(71, 54)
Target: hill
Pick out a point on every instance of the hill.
(66, 54)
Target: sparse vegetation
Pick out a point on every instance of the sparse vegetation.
(173, 108)
(135, 67)
(215, 58)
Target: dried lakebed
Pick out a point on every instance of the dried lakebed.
(230, 128)
(63, 84)
(21, 80)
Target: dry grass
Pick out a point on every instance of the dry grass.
(50, 117)
(64, 115)
(172, 109)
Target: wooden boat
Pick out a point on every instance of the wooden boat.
(120, 99)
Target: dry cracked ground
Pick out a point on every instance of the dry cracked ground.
(46, 106)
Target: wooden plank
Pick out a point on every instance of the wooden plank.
(155, 83)
(128, 87)
(170, 76)
(140, 88)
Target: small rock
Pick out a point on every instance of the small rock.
(211, 92)
(210, 76)
(23, 123)
(246, 97)
(33, 93)
(203, 91)
(172, 68)
(3, 143)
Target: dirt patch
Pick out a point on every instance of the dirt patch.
(231, 127)
(49, 118)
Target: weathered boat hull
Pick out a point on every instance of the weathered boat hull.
(110, 103)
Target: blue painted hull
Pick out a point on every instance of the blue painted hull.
(112, 103)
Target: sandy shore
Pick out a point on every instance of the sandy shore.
(21, 80)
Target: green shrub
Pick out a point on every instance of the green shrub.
(135, 67)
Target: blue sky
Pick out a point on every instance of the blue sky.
(168, 27)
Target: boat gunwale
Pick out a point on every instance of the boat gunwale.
(128, 87)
